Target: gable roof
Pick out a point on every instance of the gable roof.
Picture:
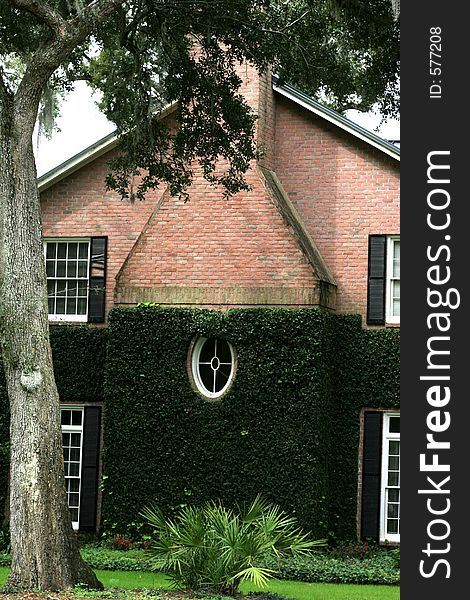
(110, 141)
(89, 154)
(295, 95)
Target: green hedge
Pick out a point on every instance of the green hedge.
(288, 427)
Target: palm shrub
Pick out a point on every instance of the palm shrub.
(213, 548)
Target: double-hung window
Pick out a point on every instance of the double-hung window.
(72, 441)
(383, 284)
(393, 280)
(380, 485)
(76, 276)
(81, 431)
(67, 270)
(390, 485)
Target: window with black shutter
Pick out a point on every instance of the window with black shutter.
(380, 506)
(383, 281)
(76, 279)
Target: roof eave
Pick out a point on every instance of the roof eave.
(76, 162)
(295, 95)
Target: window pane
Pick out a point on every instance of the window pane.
(393, 463)
(50, 268)
(73, 249)
(74, 469)
(72, 269)
(207, 376)
(396, 259)
(394, 495)
(60, 306)
(394, 447)
(223, 352)
(393, 478)
(225, 371)
(392, 526)
(75, 440)
(394, 425)
(82, 268)
(71, 306)
(76, 417)
(61, 250)
(50, 250)
(83, 250)
(75, 454)
(65, 416)
(61, 268)
(207, 351)
(50, 306)
(81, 306)
(74, 514)
(72, 288)
(220, 380)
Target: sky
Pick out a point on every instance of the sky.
(82, 124)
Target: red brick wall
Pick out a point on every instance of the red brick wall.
(344, 190)
(80, 206)
(213, 241)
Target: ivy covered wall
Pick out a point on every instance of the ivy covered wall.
(288, 427)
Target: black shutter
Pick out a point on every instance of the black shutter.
(376, 280)
(90, 464)
(371, 471)
(96, 295)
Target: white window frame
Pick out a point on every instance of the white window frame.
(196, 351)
(387, 437)
(75, 429)
(389, 316)
(54, 317)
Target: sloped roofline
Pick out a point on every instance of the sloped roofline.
(295, 95)
(110, 141)
(89, 154)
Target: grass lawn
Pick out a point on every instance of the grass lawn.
(291, 589)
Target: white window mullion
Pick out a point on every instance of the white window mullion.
(390, 480)
(72, 440)
(393, 280)
(68, 282)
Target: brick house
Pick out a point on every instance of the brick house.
(320, 228)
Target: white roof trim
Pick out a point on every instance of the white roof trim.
(333, 117)
(78, 161)
(87, 155)
(111, 140)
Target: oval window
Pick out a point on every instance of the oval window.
(213, 365)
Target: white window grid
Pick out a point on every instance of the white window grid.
(390, 482)
(393, 279)
(67, 278)
(72, 445)
(215, 363)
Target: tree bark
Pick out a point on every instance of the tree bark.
(45, 553)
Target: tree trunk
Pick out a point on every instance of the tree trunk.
(45, 553)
